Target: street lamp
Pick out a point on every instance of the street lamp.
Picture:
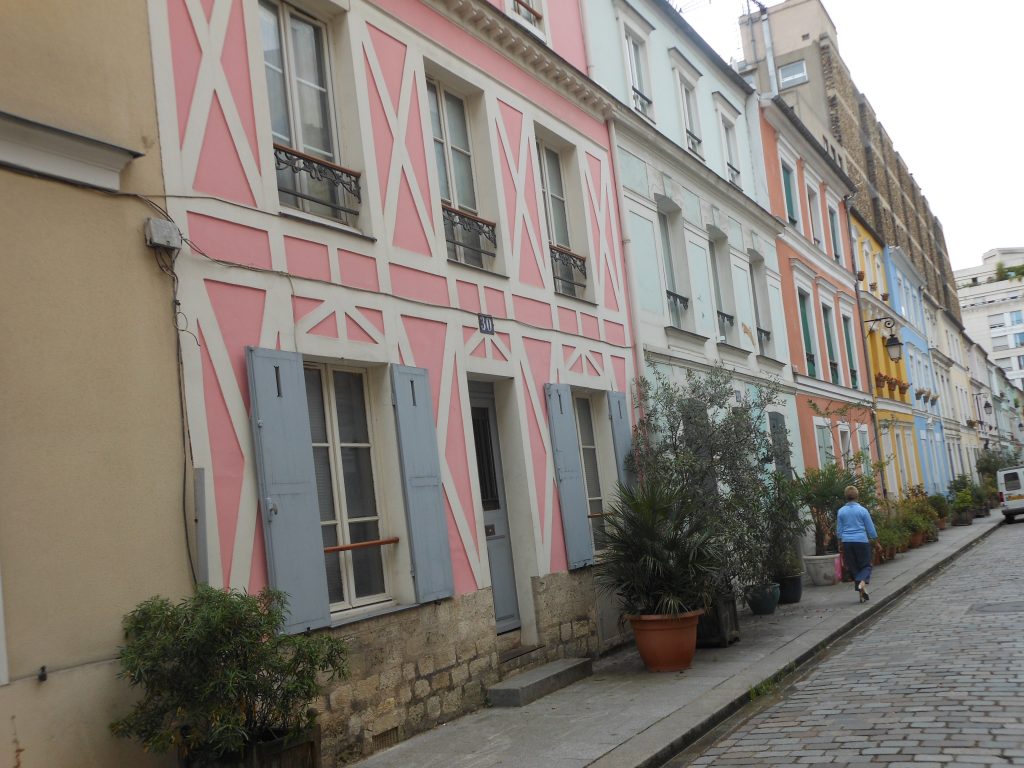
(893, 346)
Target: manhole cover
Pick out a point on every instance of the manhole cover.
(1016, 606)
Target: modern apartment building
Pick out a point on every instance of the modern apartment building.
(992, 304)
(804, 64)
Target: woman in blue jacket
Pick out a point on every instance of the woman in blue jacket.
(856, 530)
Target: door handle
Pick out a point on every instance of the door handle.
(490, 530)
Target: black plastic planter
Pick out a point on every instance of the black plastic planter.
(762, 601)
(791, 588)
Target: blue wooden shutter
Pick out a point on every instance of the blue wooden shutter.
(287, 486)
(421, 483)
(622, 434)
(572, 495)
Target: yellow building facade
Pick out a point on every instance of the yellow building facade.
(893, 396)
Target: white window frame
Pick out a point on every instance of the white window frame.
(824, 426)
(565, 274)
(596, 447)
(835, 236)
(789, 80)
(731, 151)
(864, 446)
(788, 158)
(340, 501)
(687, 77)
(812, 191)
(639, 69)
(847, 452)
(812, 325)
(530, 13)
(285, 13)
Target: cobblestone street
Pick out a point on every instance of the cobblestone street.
(937, 680)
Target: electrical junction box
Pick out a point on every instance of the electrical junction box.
(161, 233)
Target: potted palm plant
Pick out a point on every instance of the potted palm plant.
(706, 433)
(661, 566)
(787, 526)
(221, 686)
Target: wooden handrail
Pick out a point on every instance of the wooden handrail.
(566, 251)
(468, 215)
(533, 11)
(313, 159)
(361, 545)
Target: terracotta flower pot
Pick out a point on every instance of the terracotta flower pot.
(890, 553)
(666, 643)
(916, 539)
(942, 523)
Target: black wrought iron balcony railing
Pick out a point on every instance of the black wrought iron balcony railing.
(764, 338)
(693, 142)
(725, 322)
(833, 368)
(642, 103)
(811, 368)
(677, 304)
(570, 271)
(734, 174)
(467, 236)
(316, 185)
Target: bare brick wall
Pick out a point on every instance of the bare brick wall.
(886, 191)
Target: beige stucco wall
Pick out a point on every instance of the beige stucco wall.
(90, 438)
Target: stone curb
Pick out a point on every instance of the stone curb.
(737, 700)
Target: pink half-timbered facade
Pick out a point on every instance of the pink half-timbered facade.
(393, 206)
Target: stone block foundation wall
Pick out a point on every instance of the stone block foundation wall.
(410, 670)
(415, 668)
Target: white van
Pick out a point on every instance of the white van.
(1011, 491)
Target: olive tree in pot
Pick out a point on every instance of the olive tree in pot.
(221, 686)
(709, 435)
(661, 566)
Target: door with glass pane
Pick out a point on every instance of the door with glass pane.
(495, 511)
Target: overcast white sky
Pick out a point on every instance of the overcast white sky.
(944, 79)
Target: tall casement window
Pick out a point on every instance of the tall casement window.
(732, 154)
(803, 302)
(636, 54)
(302, 116)
(569, 270)
(691, 119)
(830, 347)
(835, 231)
(864, 448)
(342, 456)
(588, 456)
(824, 443)
(673, 249)
(814, 207)
(851, 355)
(845, 444)
(718, 253)
(789, 189)
(470, 239)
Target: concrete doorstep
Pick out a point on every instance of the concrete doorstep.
(529, 686)
(625, 717)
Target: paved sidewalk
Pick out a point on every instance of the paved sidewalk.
(625, 717)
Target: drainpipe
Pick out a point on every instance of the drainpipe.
(627, 259)
(769, 49)
(586, 41)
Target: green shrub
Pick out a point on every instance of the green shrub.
(940, 504)
(216, 674)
